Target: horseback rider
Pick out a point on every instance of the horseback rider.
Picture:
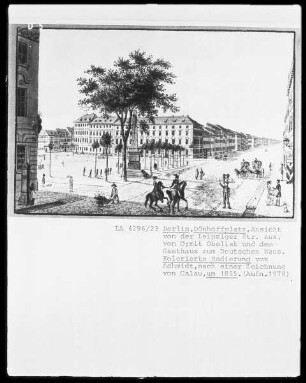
(176, 182)
(157, 188)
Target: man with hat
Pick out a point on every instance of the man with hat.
(226, 191)
(114, 195)
(175, 182)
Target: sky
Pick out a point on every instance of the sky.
(234, 79)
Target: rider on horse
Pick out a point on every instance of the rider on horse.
(157, 188)
(176, 182)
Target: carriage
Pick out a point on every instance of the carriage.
(248, 170)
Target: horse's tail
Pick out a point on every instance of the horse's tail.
(147, 199)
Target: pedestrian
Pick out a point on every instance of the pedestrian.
(282, 171)
(114, 194)
(201, 174)
(101, 173)
(110, 171)
(90, 173)
(263, 172)
(270, 166)
(269, 194)
(43, 180)
(97, 173)
(197, 173)
(278, 189)
(226, 191)
(31, 193)
(70, 181)
(63, 163)
(84, 171)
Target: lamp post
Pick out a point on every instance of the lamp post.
(50, 146)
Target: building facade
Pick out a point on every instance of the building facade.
(197, 140)
(288, 133)
(26, 112)
(176, 130)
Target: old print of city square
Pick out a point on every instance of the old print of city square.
(137, 150)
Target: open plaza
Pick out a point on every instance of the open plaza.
(248, 196)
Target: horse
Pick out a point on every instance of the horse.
(155, 196)
(177, 194)
(241, 173)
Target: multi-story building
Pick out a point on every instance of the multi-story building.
(61, 139)
(176, 130)
(27, 130)
(220, 138)
(47, 137)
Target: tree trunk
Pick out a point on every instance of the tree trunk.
(151, 161)
(118, 163)
(106, 175)
(124, 160)
(96, 163)
(50, 164)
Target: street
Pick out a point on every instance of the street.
(204, 196)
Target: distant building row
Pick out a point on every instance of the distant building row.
(199, 141)
(61, 140)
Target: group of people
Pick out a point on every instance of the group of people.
(199, 174)
(274, 193)
(99, 173)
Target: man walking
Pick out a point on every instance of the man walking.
(226, 191)
(278, 189)
(84, 171)
(201, 174)
(282, 171)
(197, 173)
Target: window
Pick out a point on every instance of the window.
(20, 156)
(173, 132)
(21, 102)
(180, 141)
(159, 134)
(167, 133)
(22, 54)
(186, 142)
(173, 141)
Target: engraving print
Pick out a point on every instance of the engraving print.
(155, 122)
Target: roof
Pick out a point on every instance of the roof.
(104, 120)
(51, 132)
(70, 130)
(173, 120)
(86, 118)
(65, 131)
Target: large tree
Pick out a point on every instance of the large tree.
(106, 142)
(134, 90)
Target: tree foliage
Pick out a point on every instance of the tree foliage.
(135, 89)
